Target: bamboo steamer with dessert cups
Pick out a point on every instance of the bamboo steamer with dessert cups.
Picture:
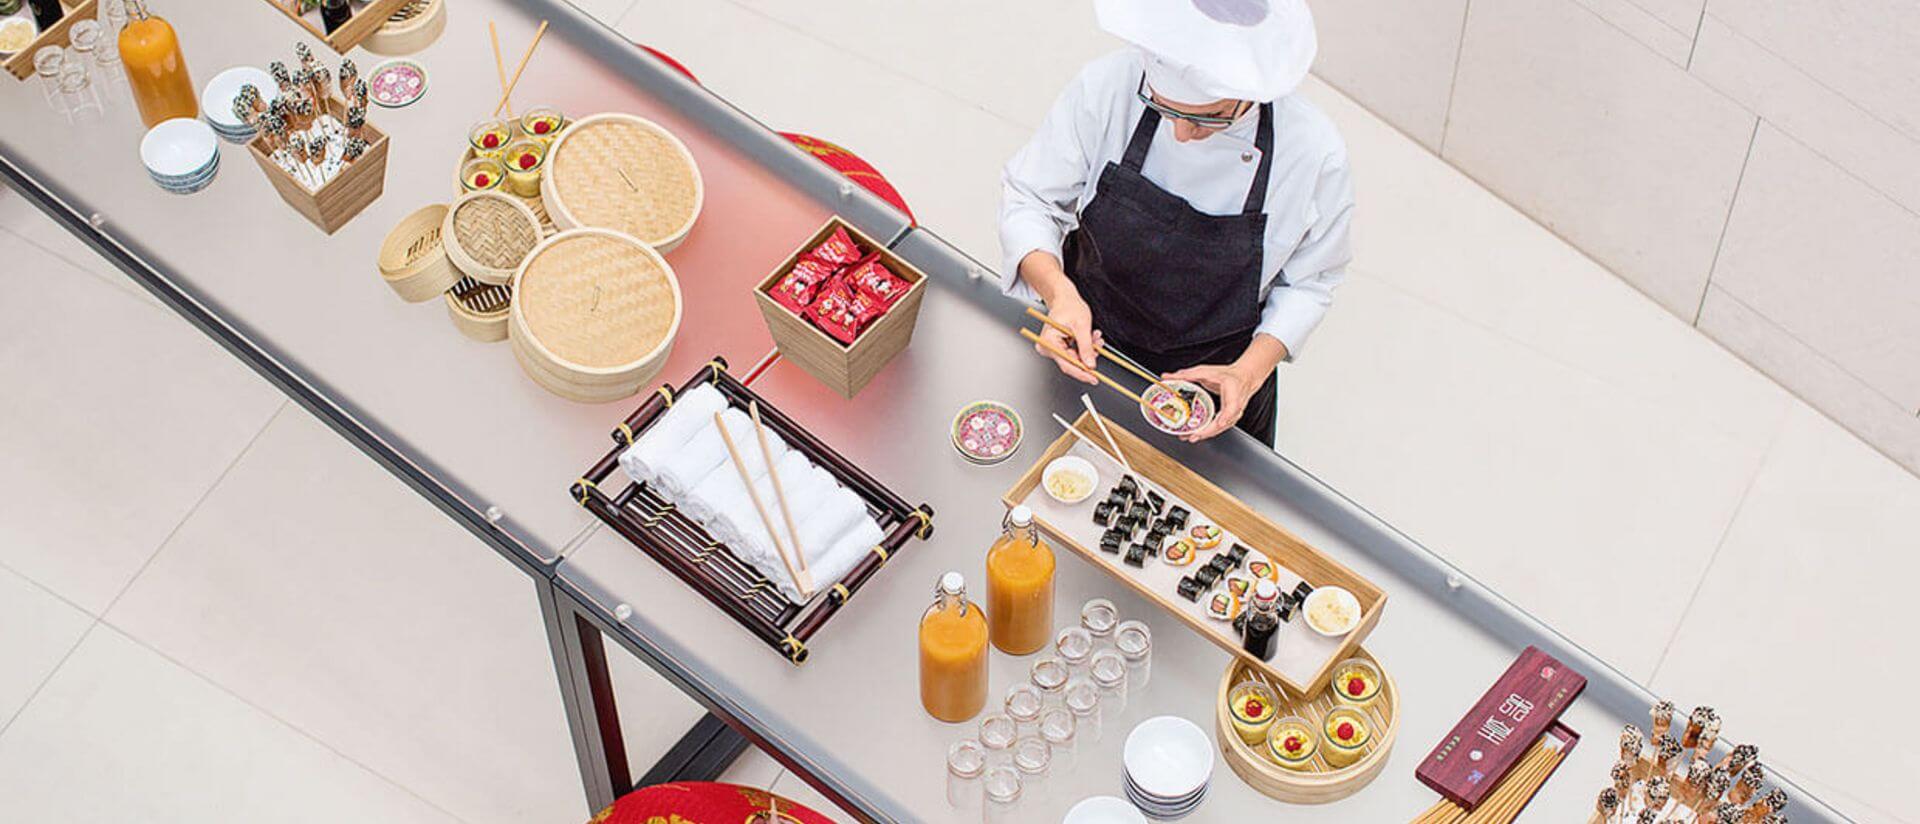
(412, 259)
(412, 27)
(534, 204)
(594, 314)
(488, 234)
(1320, 782)
(479, 310)
(626, 173)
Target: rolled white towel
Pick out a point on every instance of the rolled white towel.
(724, 514)
(839, 559)
(704, 453)
(721, 485)
(827, 521)
(685, 418)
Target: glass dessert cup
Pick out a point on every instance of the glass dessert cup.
(542, 123)
(1356, 682)
(489, 138)
(482, 174)
(525, 160)
(1291, 743)
(1345, 733)
(1253, 706)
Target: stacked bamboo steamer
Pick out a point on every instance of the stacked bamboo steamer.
(1323, 783)
(626, 173)
(593, 315)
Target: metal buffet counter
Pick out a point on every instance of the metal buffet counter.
(460, 423)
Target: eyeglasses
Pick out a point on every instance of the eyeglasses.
(1201, 120)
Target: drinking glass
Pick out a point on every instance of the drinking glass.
(1083, 700)
(966, 763)
(112, 18)
(1135, 643)
(1033, 759)
(997, 734)
(1049, 675)
(1074, 646)
(1024, 703)
(1057, 728)
(76, 87)
(1098, 618)
(46, 63)
(1109, 674)
(1002, 790)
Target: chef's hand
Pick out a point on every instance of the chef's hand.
(1235, 383)
(1072, 312)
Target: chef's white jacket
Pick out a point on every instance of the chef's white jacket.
(1309, 202)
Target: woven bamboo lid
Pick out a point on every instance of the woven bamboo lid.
(598, 306)
(412, 259)
(621, 172)
(488, 234)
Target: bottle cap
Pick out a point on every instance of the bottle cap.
(1265, 592)
(1021, 515)
(953, 583)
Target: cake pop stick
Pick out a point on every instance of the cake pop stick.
(356, 120)
(1748, 784)
(1724, 814)
(1709, 735)
(282, 78)
(321, 81)
(1665, 750)
(359, 93)
(348, 74)
(1608, 804)
(305, 56)
(1622, 775)
(1658, 792)
(356, 146)
(1696, 724)
(1662, 714)
(1736, 761)
(1718, 780)
(1631, 741)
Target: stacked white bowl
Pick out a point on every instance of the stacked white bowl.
(216, 102)
(1168, 762)
(1103, 809)
(181, 155)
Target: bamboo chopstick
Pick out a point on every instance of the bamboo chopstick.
(1125, 362)
(1089, 442)
(779, 492)
(508, 91)
(1519, 786)
(1055, 351)
(1105, 432)
(499, 66)
(805, 585)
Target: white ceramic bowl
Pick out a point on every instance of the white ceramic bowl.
(1104, 809)
(216, 102)
(1168, 757)
(1338, 594)
(178, 147)
(1074, 464)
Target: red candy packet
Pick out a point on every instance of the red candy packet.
(836, 251)
(838, 311)
(871, 278)
(799, 287)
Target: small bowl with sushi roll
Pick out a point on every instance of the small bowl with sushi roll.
(1181, 411)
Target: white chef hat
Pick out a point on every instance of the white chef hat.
(1199, 51)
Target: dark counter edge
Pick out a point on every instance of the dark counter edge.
(1614, 691)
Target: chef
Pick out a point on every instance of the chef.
(1182, 204)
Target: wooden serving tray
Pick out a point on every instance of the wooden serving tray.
(1305, 659)
(1323, 783)
(366, 20)
(20, 63)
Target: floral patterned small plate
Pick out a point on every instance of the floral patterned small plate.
(397, 83)
(986, 432)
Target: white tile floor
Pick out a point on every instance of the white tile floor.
(1481, 384)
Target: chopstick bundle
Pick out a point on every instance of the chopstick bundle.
(499, 66)
(801, 580)
(780, 494)
(1515, 790)
(507, 92)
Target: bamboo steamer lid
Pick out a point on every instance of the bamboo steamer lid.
(413, 28)
(488, 234)
(593, 315)
(479, 310)
(621, 172)
(412, 259)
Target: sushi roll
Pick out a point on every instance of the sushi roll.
(1103, 514)
(1152, 549)
(1206, 575)
(1190, 589)
(1118, 501)
(1157, 501)
(1178, 514)
(1128, 486)
(1157, 536)
(1287, 608)
(1178, 552)
(1301, 591)
(1118, 534)
(1205, 536)
(1238, 553)
(1110, 543)
(1223, 607)
(1239, 585)
(1263, 568)
(1140, 512)
(1136, 556)
(1221, 564)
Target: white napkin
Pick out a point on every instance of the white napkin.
(722, 484)
(669, 435)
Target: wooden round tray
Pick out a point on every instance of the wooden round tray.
(1324, 783)
(594, 314)
(488, 234)
(412, 259)
(414, 27)
(626, 173)
(479, 310)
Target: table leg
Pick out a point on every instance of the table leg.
(586, 690)
(706, 751)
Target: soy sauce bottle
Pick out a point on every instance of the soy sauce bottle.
(335, 13)
(1262, 621)
(45, 12)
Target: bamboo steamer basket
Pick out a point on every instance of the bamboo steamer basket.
(414, 27)
(412, 259)
(488, 234)
(626, 173)
(1324, 784)
(479, 310)
(533, 204)
(594, 314)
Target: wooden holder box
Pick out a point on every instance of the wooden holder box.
(20, 63)
(1213, 504)
(359, 184)
(843, 367)
(364, 22)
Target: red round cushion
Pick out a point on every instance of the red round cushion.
(700, 802)
(850, 164)
(668, 59)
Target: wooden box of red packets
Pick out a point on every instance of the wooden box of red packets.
(841, 305)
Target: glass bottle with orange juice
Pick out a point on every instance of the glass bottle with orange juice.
(156, 71)
(1020, 586)
(953, 653)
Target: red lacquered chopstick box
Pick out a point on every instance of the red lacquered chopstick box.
(1487, 742)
